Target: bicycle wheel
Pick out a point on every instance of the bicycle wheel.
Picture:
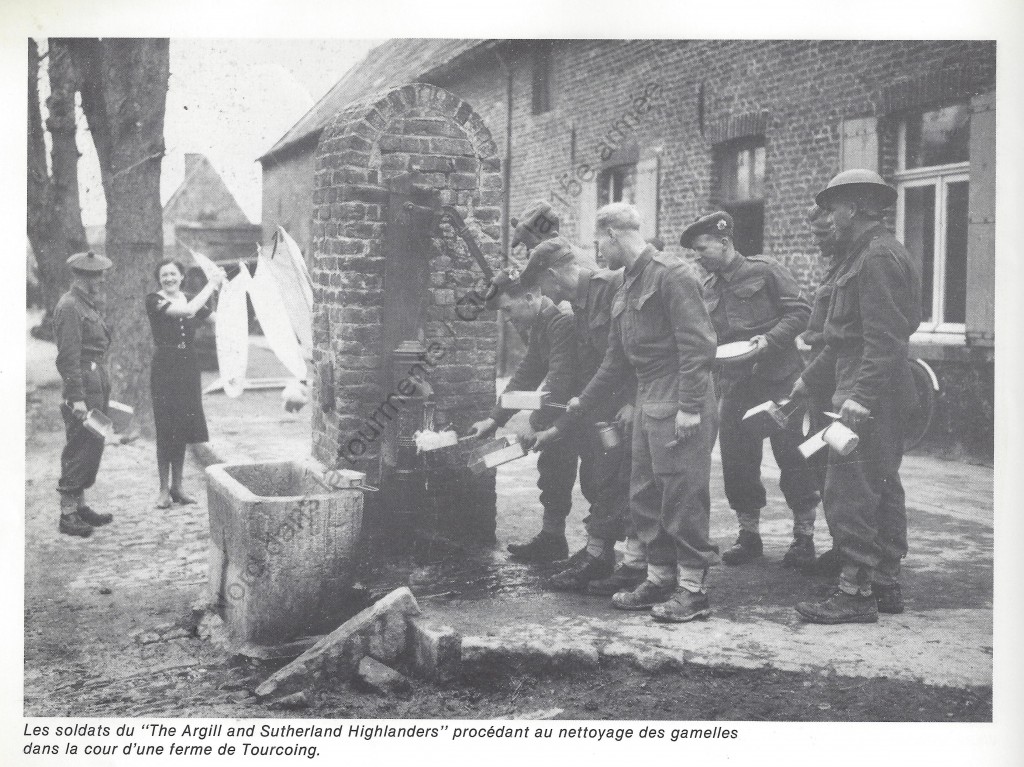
(923, 409)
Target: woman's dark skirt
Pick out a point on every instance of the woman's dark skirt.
(177, 397)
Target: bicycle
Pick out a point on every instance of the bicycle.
(927, 391)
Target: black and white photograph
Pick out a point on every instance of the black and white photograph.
(624, 389)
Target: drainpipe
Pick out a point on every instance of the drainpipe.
(506, 182)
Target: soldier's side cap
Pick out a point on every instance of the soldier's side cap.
(538, 223)
(857, 181)
(500, 284)
(718, 223)
(550, 253)
(89, 262)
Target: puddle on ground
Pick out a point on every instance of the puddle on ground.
(445, 571)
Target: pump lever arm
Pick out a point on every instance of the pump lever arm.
(459, 225)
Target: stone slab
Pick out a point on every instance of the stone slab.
(376, 677)
(436, 651)
(336, 657)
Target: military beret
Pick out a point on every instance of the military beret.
(538, 223)
(550, 253)
(89, 262)
(718, 224)
(503, 283)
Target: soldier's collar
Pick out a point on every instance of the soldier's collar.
(645, 257)
(858, 244)
(582, 288)
(730, 272)
(84, 296)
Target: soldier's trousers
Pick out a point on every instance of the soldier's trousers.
(742, 454)
(80, 460)
(604, 482)
(556, 469)
(670, 495)
(864, 500)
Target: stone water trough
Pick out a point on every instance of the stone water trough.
(283, 540)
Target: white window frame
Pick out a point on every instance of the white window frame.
(938, 176)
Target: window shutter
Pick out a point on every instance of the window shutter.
(588, 213)
(645, 196)
(859, 143)
(981, 227)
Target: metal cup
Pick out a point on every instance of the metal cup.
(841, 438)
(609, 434)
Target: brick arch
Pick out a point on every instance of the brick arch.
(417, 128)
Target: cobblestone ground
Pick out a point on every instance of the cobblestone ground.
(86, 599)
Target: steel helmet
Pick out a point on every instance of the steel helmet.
(857, 180)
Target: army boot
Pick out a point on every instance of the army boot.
(841, 608)
(623, 578)
(801, 553)
(585, 569)
(94, 518)
(70, 522)
(747, 548)
(644, 596)
(545, 547)
(889, 598)
(684, 606)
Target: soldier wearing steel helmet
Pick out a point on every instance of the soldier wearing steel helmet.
(874, 307)
(82, 339)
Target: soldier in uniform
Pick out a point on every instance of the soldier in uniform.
(551, 354)
(82, 339)
(828, 563)
(874, 308)
(661, 332)
(756, 299)
(563, 273)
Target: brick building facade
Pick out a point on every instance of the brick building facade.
(757, 127)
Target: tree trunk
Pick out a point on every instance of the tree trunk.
(124, 94)
(55, 228)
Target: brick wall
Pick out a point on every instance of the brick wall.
(800, 90)
(288, 199)
(426, 130)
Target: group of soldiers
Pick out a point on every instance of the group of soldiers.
(637, 352)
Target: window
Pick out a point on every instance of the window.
(740, 167)
(933, 180)
(616, 185)
(542, 78)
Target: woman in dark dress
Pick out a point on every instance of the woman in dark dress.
(174, 377)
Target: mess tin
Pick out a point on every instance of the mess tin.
(524, 400)
(120, 415)
(609, 434)
(770, 417)
(97, 423)
(737, 351)
(495, 453)
(836, 435)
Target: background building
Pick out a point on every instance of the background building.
(756, 127)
